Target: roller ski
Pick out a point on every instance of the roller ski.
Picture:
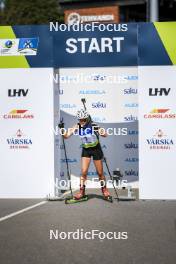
(78, 197)
(106, 194)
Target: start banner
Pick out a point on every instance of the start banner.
(127, 74)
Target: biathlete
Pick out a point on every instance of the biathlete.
(89, 134)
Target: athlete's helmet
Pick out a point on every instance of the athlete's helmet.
(82, 114)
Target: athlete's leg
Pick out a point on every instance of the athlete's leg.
(85, 162)
(99, 167)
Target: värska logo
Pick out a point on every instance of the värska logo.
(19, 141)
(18, 114)
(160, 141)
(160, 113)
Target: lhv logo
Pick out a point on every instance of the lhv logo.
(17, 92)
(159, 91)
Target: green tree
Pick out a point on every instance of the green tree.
(28, 12)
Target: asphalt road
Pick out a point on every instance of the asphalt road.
(151, 227)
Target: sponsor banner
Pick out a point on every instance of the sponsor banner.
(116, 45)
(118, 88)
(19, 141)
(17, 92)
(18, 114)
(27, 141)
(160, 141)
(111, 93)
(96, 14)
(96, 48)
(161, 50)
(18, 47)
(26, 47)
(160, 113)
(157, 96)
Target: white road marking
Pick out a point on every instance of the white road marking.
(30, 207)
(22, 211)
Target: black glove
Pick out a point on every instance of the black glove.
(61, 125)
(95, 127)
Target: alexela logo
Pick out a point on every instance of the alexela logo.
(98, 119)
(162, 113)
(18, 114)
(98, 92)
(69, 160)
(159, 91)
(160, 141)
(131, 77)
(17, 92)
(131, 105)
(63, 106)
(19, 141)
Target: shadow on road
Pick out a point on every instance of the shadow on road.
(93, 196)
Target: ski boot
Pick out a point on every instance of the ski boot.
(106, 194)
(78, 197)
(81, 193)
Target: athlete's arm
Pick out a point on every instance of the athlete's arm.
(102, 132)
(70, 131)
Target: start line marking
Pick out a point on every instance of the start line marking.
(21, 211)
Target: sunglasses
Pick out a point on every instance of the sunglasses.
(83, 120)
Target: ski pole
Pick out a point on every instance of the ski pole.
(111, 177)
(61, 125)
